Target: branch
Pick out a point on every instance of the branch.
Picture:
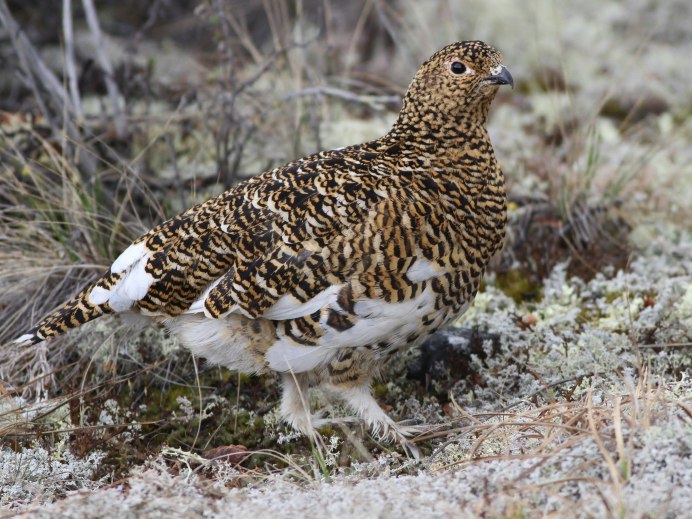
(37, 75)
(50, 95)
(68, 36)
(104, 62)
(375, 101)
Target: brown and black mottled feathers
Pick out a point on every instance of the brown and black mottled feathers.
(72, 314)
(422, 206)
(257, 241)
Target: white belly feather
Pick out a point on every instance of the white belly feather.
(375, 321)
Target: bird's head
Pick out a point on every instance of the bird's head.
(457, 81)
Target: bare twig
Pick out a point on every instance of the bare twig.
(578, 378)
(374, 101)
(68, 36)
(37, 75)
(104, 62)
(178, 180)
(609, 461)
(667, 345)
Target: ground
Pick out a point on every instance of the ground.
(564, 391)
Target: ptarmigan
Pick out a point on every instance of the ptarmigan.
(325, 267)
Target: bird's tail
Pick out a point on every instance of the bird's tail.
(72, 314)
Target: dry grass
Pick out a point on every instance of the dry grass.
(546, 439)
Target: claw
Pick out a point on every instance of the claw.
(410, 449)
(416, 429)
(297, 413)
(410, 422)
(401, 436)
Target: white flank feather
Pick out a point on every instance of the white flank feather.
(288, 307)
(218, 341)
(133, 286)
(375, 322)
(119, 302)
(27, 337)
(423, 269)
(137, 282)
(287, 357)
(129, 257)
(99, 295)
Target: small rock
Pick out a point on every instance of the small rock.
(235, 454)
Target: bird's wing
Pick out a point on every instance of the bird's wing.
(276, 246)
(240, 251)
(244, 249)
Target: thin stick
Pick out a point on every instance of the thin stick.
(667, 345)
(104, 62)
(546, 387)
(36, 72)
(610, 463)
(68, 35)
(374, 101)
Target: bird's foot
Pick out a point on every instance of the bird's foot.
(295, 408)
(401, 433)
(360, 399)
(413, 427)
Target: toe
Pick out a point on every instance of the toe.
(414, 430)
(410, 449)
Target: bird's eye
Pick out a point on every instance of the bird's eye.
(458, 67)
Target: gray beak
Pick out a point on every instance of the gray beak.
(503, 78)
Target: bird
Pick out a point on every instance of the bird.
(326, 267)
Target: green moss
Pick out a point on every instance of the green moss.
(519, 286)
(380, 391)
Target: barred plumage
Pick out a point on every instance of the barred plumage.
(322, 268)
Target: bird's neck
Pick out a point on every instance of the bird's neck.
(431, 130)
(456, 145)
(420, 114)
(456, 150)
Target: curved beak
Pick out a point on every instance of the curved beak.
(500, 76)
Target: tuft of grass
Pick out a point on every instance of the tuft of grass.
(566, 446)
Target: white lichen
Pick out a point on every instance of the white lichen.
(36, 473)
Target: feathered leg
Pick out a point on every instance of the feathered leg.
(359, 398)
(295, 405)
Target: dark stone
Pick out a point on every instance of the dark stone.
(446, 355)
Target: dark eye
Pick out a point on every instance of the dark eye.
(458, 67)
